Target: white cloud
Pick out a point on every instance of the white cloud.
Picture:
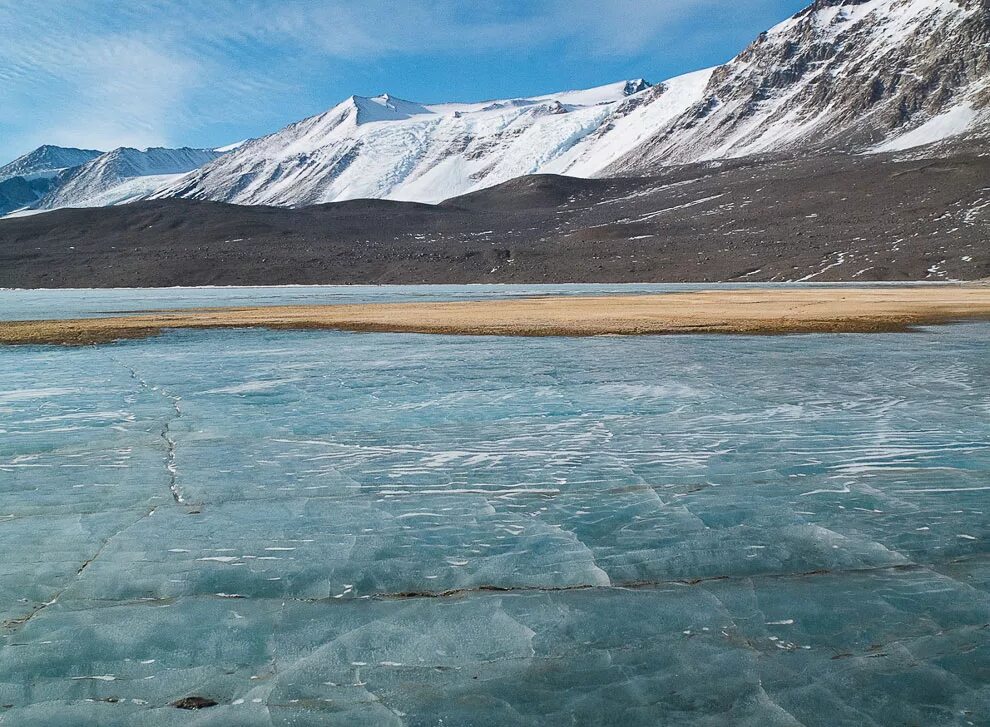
(380, 27)
(70, 79)
(125, 92)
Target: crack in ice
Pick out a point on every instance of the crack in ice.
(165, 433)
(17, 623)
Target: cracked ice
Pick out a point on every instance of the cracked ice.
(374, 529)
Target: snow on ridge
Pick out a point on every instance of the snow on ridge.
(386, 147)
(609, 93)
(386, 108)
(123, 175)
(231, 147)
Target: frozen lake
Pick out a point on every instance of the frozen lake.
(315, 528)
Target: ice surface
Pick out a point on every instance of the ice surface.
(327, 528)
(25, 304)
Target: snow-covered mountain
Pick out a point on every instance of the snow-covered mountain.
(391, 148)
(27, 179)
(852, 75)
(46, 161)
(123, 175)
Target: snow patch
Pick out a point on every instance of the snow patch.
(953, 122)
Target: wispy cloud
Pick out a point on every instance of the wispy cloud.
(102, 73)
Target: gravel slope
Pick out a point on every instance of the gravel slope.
(829, 218)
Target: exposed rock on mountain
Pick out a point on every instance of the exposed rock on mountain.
(849, 75)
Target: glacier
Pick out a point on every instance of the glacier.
(327, 528)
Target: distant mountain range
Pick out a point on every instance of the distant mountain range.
(124, 175)
(54, 177)
(851, 76)
(25, 181)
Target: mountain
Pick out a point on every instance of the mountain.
(848, 75)
(46, 161)
(27, 179)
(386, 147)
(123, 175)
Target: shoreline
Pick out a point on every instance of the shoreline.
(919, 283)
(763, 310)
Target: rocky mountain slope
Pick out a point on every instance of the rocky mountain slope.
(850, 75)
(17, 193)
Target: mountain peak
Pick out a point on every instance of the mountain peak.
(47, 161)
(53, 149)
(385, 107)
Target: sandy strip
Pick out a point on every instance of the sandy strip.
(756, 311)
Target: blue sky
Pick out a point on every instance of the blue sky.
(106, 73)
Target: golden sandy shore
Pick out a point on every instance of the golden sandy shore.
(762, 311)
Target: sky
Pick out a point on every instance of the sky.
(205, 73)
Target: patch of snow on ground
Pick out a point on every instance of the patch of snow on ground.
(841, 259)
(953, 122)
